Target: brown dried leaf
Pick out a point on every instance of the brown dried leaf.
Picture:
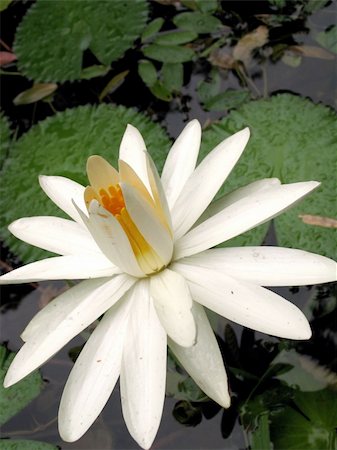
(221, 58)
(6, 58)
(319, 221)
(312, 51)
(243, 49)
(35, 93)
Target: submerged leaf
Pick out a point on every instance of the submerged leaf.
(35, 93)
(113, 84)
(97, 70)
(198, 22)
(173, 76)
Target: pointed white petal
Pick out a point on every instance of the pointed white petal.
(173, 303)
(67, 315)
(95, 373)
(132, 150)
(62, 268)
(111, 239)
(143, 374)
(146, 219)
(267, 266)
(205, 182)
(63, 192)
(101, 174)
(54, 234)
(181, 160)
(203, 361)
(242, 216)
(227, 199)
(245, 303)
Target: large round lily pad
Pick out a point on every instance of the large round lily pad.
(60, 145)
(5, 134)
(294, 140)
(52, 37)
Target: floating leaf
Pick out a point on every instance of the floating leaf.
(312, 429)
(147, 72)
(249, 42)
(287, 132)
(152, 28)
(175, 37)
(7, 58)
(4, 4)
(5, 140)
(52, 37)
(173, 76)
(97, 70)
(62, 144)
(168, 53)
(198, 22)
(15, 444)
(227, 100)
(161, 92)
(113, 84)
(15, 398)
(328, 38)
(209, 88)
(35, 93)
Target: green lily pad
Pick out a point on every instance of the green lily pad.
(60, 145)
(312, 428)
(52, 37)
(16, 397)
(294, 140)
(5, 134)
(20, 444)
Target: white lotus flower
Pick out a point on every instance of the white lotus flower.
(142, 244)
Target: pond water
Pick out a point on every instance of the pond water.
(206, 427)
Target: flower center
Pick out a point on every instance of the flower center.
(113, 201)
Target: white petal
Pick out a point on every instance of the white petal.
(245, 303)
(242, 216)
(148, 223)
(268, 266)
(54, 234)
(133, 151)
(143, 374)
(67, 315)
(101, 174)
(227, 199)
(205, 182)
(181, 160)
(63, 192)
(62, 268)
(173, 303)
(111, 239)
(203, 361)
(95, 373)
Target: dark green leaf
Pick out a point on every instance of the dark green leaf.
(210, 88)
(259, 437)
(227, 100)
(187, 414)
(147, 72)
(310, 6)
(94, 71)
(62, 144)
(286, 132)
(198, 22)
(161, 92)
(5, 140)
(208, 6)
(15, 444)
(176, 37)
(173, 76)
(152, 28)
(16, 397)
(328, 38)
(168, 53)
(52, 37)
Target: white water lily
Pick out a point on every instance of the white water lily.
(142, 244)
